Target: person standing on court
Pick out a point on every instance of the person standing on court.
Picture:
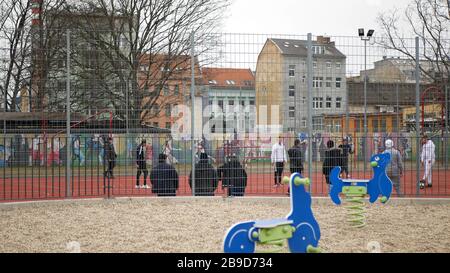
(295, 158)
(233, 176)
(110, 157)
(206, 179)
(346, 151)
(164, 178)
(278, 159)
(141, 164)
(77, 151)
(395, 168)
(428, 158)
(332, 159)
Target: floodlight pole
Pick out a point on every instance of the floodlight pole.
(310, 103)
(365, 38)
(193, 111)
(365, 103)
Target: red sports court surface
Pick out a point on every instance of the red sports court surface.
(42, 188)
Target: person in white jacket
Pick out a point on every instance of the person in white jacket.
(428, 158)
(279, 157)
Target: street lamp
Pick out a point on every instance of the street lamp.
(365, 38)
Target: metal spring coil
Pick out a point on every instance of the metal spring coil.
(356, 210)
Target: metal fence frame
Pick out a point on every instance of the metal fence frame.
(309, 161)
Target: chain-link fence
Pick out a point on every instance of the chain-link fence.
(91, 112)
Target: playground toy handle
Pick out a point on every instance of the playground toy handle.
(297, 181)
(311, 249)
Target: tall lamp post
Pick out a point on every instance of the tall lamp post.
(365, 38)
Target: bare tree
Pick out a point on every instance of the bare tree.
(28, 52)
(48, 50)
(15, 50)
(429, 20)
(142, 46)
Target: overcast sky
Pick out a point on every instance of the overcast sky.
(328, 17)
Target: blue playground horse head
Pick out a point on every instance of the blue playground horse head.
(380, 184)
(307, 229)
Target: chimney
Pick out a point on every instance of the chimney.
(323, 40)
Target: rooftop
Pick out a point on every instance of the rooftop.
(299, 47)
(228, 77)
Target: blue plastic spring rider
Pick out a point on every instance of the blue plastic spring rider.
(299, 228)
(355, 190)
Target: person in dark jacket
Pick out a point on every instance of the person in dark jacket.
(346, 149)
(331, 160)
(164, 178)
(141, 164)
(233, 177)
(206, 179)
(295, 157)
(109, 157)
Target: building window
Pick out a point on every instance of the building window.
(318, 49)
(242, 103)
(61, 63)
(328, 103)
(328, 64)
(338, 102)
(318, 124)
(328, 82)
(292, 71)
(155, 109)
(337, 126)
(247, 83)
(395, 124)
(303, 100)
(303, 79)
(328, 126)
(230, 82)
(176, 90)
(252, 102)
(303, 122)
(338, 82)
(165, 90)
(62, 86)
(231, 102)
(315, 64)
(168, 110)
(375, 125)
(292, 112)
(317, 82)
(317, 103)
(291, 90)
(338, 66)
(383, 124)
(168, 125)
(156, 124)
(358, 125)
(220, 103)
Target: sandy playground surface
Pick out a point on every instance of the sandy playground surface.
(160, 225)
